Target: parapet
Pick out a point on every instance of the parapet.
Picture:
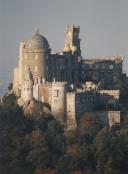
(62, 84)
(72, 27)
(117, 59)
(114, 93)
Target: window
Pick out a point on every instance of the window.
(111, 66)
(90, 65)
(25, 67)
(36, 68)
(46, 68)
(36, 57)
(56, 92)
(103, 66)
(83, 66)
(96, 66)
(42, 98)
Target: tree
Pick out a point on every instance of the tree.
(13, 150)
(88, 126)
(111, 151)
(38, 154)
(9, 101)
(56, 141)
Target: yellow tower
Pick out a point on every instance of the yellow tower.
(72, 42)
(34, 53)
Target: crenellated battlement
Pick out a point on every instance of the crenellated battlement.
(114, 112)
(62, 84)
(114, 93)
(117, 59)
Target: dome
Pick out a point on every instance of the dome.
(37, 41)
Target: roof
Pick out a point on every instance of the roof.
(37, 41)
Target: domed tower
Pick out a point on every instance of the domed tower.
(34, 53)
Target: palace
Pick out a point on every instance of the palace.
(70, 84)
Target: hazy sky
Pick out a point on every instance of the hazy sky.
(103, 23)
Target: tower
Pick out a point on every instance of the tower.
(34, 52)
(27, 86)
(58, 100)
(72, 42)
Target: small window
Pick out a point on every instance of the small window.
(56, 93)
(103, 66)
(90, 65)
(36, 57)
(42, 99)
(25, 67)
(111, 66)
(46, 68)
(83, 66)
(96, 66)
(36, 68)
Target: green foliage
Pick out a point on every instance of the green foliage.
(68, 163)
(9, 101)
(38, 149)
(88, 127)
(111, 151)
(27, 144)
(124, 91)
(38, 143)
(13, 127)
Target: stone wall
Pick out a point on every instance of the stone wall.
(58, 100)
(71, 111)
(107, 71)
(109, 118)
(79, 103)
(16, 78)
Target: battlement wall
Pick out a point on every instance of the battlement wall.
(109, 118)
(114, 93)
(117, 59)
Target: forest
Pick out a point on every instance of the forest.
(38, 144)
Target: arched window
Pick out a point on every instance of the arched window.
(36, 57)
(36, 68)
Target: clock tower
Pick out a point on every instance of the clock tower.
(72, 41)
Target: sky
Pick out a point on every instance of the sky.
(103, 28)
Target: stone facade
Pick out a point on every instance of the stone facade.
(69, 84)
(105, 71)
(109, 118)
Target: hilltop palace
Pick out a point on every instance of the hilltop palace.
(70, 84)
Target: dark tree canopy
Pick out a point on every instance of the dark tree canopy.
(37, 144)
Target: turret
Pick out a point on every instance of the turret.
(27, 86)
(58, 103)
